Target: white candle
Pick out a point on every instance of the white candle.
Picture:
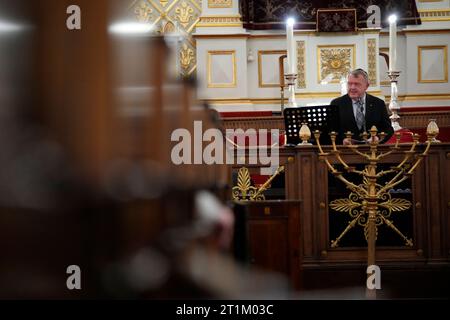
(290, 45)
(344, 89)
(392, 42)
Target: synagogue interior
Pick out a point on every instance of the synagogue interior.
(225, 149)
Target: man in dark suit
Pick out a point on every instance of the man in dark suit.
(359, 111)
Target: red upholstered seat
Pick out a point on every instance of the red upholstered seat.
(444, 134)
(258, 179)
(405, 137)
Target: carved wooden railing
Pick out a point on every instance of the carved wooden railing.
(421, 119)
(408, 120)
(275, 122)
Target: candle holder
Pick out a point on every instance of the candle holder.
(290, 81)
(370, 203)
(393, 104)
(282, 81)
(282, 99)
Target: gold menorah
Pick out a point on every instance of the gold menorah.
(370, 203)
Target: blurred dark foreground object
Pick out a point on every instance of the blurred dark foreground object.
(86, 177)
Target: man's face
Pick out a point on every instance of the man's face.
(356, 86)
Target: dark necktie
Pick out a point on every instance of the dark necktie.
(360, 119)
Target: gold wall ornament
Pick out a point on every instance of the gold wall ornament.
(372, 58)
(197, 4)
(301, 78)
(184, 13)
(169, 27)
(335, 61)
(371, 204)
(220, 21)
(169, 16)
(434, 14)
(384, 80)
(220, 3)
(186, 56)
(143, 11)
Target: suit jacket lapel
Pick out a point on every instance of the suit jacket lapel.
(350, 115)
(370, 109)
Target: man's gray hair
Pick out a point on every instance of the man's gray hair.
(359, 72)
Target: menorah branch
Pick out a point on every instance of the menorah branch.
(351, 224)
(391, 225)
(267, 183)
